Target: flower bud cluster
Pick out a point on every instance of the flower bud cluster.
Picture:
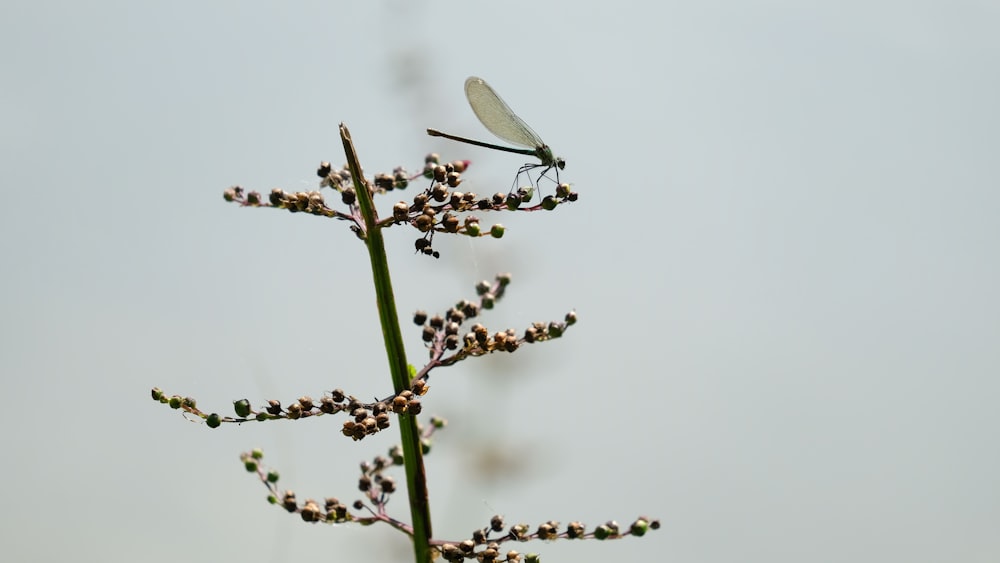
(366, 418)
(441, 208)
(447, 344)
(435, 209)
(484, 545)
(374, 483)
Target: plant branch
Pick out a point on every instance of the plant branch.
(416, 477)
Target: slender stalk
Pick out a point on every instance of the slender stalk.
(416, 477)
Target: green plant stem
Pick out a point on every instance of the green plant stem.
(413, 459)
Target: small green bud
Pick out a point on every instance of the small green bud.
(242, 408)
(556, 330)
(513, 202)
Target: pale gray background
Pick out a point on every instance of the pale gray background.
(784, 258)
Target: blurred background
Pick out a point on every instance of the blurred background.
(785, 259)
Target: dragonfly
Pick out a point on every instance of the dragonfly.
(500, 120)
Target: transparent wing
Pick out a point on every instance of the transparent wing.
(497, 115)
